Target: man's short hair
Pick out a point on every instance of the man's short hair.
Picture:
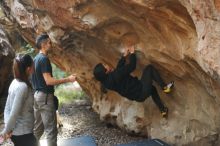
(40, 39)
(99, 72)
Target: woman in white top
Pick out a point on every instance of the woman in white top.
(19, 113)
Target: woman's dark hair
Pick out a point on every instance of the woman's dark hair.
(40, 39)
(99, 72)
(21, 63)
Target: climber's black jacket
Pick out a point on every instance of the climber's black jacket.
(121, 81)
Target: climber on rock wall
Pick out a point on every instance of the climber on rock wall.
(121, 80)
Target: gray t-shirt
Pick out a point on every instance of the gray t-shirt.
(41, 65)
(19, 112)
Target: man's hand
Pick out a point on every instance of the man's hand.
(72, 78)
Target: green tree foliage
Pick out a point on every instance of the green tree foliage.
(57, 73)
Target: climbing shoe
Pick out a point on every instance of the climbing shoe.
(168, 87)
(60, 125)
(164, 112)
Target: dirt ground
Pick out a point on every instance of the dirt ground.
(79, 119)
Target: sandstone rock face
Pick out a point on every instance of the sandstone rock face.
(180, 38)
(6, 57)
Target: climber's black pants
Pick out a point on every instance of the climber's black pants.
(149, 75)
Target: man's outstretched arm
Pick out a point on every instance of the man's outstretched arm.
(52, 81)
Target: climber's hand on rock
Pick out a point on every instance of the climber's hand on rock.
(131, 49)
(126, 52)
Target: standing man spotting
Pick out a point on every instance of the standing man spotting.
(43, 84)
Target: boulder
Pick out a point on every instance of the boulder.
(180, 38)
(6, 60)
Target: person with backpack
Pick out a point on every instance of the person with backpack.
(121, 80)
(43, 83)
(19, 112)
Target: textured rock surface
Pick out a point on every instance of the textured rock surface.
(181, 38)
(6, 56)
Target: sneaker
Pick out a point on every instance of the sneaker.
(168, 87)
(164, 112)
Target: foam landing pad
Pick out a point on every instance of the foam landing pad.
(78, 141)
(152, 142)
